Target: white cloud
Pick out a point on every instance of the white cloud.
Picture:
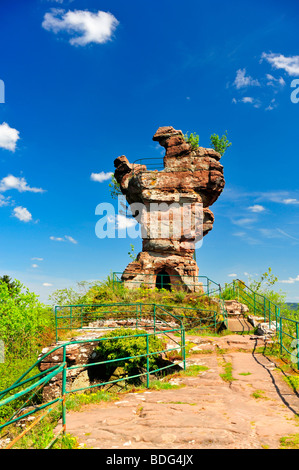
(71, 239)
(247, 99)
(64, 239)
(244, 221)
(4, 201)
(275, 233)
(22, 214)
(246, 238)
(270, 233)
(256, 208)
(272, 105)
(20, 184)
(8, 137)
(242, 80)
(47, 284)
(272, 81)
(122, 221)
(279, 61)
(239, 234)
(232, 275)
(100, 177)
(37, 259)
(291, 280)
(286, 234)
(84, 26)
(290, 201)
(34, 265)
(57, 239)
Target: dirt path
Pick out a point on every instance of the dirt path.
(253, 411)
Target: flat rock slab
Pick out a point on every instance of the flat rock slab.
(252, 411)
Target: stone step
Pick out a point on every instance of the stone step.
(238, 324)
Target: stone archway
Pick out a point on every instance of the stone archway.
(163, 280)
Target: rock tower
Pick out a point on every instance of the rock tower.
(192, 178)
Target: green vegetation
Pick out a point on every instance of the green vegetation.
(227, 376)
(13, 286)
(259, 394)
(26, 327)
(290, 442)
(193, 371)
(107, 291)
(126, 346)
(159, 385)
(292, 381)
(24, 320)
(192, 139)
(114, 188)
(75, 401)
(220, 144)
(131, 253)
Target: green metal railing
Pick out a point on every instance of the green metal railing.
(285, 328)
(145, 315)
(111, 315)
(288, 331)
(169, 282)
(206, 286)
(157, 320)
(152, 164)
(258, 304)
(44, 377)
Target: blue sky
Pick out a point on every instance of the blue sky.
(87, 81)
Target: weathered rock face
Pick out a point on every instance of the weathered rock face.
(191, 181)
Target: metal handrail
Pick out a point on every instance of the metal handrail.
(63, 368)
(148, 162)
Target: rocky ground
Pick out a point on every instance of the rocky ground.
(253, 411)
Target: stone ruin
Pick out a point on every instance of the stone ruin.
(192, 178)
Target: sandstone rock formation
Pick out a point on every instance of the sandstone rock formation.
(191, 181)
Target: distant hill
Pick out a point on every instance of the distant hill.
(293, 306)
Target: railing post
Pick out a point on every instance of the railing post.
(280, 334)
(56, 326)
(297, 337)
(71, 317)
(63, 390)
(155, 320)
(264, 308)
(183, 348)
(147, 361)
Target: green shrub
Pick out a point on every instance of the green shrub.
(125, 346)
(23, 320)
(192, 139)
(220, 144)
(114, 188)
